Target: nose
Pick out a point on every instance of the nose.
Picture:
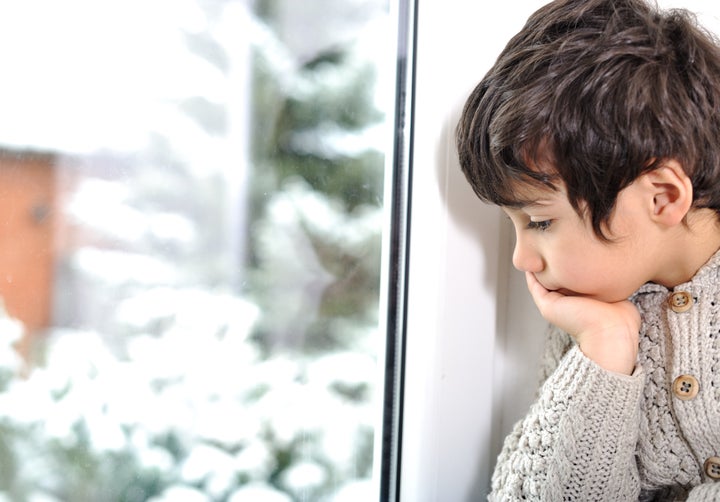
(526, 258)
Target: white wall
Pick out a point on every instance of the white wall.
(459, 389)
(474, 336)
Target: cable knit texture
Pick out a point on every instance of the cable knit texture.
(593, 435)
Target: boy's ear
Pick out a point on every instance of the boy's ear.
(671, 191)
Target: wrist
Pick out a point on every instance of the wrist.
(613, 351)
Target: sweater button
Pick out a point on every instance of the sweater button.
(686, 387)
(712, 467)
(680, 301)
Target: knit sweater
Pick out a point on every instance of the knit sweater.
(594, 435)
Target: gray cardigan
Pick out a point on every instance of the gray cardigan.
(594, 435)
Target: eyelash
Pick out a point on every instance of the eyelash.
(540, 226)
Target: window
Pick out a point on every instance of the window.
(191, 249)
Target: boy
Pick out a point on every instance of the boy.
(598, 132)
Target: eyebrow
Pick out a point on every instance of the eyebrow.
(531, 204)
(539, 203)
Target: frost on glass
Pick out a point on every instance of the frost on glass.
(215, 228)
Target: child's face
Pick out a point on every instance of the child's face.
(560, 248)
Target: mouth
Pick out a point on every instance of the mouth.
(563, 291)
(558, 289)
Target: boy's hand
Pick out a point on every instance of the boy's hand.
(607, 333)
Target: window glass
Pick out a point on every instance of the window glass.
(191, 220)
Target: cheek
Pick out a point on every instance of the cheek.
(588, 269)
(580, 269)
(608, 276)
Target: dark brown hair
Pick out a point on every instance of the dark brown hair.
(593, 93)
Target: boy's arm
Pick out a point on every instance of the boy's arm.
(708, 492)
(578, 440)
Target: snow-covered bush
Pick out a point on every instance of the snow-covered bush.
(192, 411)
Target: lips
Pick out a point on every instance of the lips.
(557, 289)
(549, 287)
(562, 291)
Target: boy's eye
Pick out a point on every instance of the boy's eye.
(539, 225)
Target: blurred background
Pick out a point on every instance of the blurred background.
(191, 228)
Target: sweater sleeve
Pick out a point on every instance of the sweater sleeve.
(707, 492)
(578, 440)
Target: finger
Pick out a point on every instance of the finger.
(537, 290)
(543, 298)
(532, 281)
